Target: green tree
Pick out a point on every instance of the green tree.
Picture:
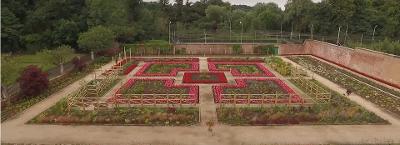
(216, 15)
(96, 39)
(10, 31)
(60, 55)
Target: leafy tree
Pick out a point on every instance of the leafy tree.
(10, 31)
(216, 15)
(96, 39)
(60, 55)
(33, 81)
(66, 33)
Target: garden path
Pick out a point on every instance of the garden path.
(15, 131)
(207, 105)
(354, 97)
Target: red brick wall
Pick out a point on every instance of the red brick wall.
(380, 66)
(215, 49)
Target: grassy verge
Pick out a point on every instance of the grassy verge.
(12, 66)
(9, 111)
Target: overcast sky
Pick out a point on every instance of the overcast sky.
(281, 3)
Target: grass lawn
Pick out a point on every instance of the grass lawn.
(13, 65)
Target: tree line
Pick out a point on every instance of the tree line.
(33, 25)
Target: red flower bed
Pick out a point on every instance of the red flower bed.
(235, 60)
(212, 66)
(194, 66)
(129, 69)
(166, 59)
(242, 84)
(207, 78)
(119, 98)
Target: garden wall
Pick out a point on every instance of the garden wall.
(379, 66)
(214, 49)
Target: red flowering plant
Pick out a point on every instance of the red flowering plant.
(201, 77)
(235, 60)
(33, 81)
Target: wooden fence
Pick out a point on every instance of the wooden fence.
(155, 99)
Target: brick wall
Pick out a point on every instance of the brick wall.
(215, 49)
(377, 65)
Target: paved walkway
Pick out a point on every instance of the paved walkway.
(15, 131)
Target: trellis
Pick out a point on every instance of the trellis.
(154, 99)
(319, 94)
(261, 99)
(89, 93)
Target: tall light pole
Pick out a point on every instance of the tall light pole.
(312, 31)
(241, 33)
(205, 37)
(281, 29)
(338, 36)
(230, 28)
(373, 33)
(345, 36)
(169, 32)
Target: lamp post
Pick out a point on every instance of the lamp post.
(205, 37)
(312, 31)
(241, 33)
(230, 29)
(338, 36)
(169, 32)
(373, 33)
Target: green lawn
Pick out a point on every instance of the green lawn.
(12, 66)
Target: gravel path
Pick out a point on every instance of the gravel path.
(15, 131)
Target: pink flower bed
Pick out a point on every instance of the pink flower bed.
(212, 66)
(118, 97)
(235, 60)
(166, 59)
(129, 69)
(212, 77)
(241, 83)
(174, 72)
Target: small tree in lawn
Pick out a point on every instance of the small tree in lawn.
(60, 55)
(96, 39)
(33, 81)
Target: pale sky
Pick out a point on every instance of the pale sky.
(281, 3)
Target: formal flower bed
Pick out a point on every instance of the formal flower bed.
(235, 60)
(151, 116)
(169, 59)
(208, 77)
(133, 90)
(166, 68)
(345, 79)
(255, 86)
(241, 68)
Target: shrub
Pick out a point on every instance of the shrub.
(237, 49)
(33, 81)
(79, 64)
